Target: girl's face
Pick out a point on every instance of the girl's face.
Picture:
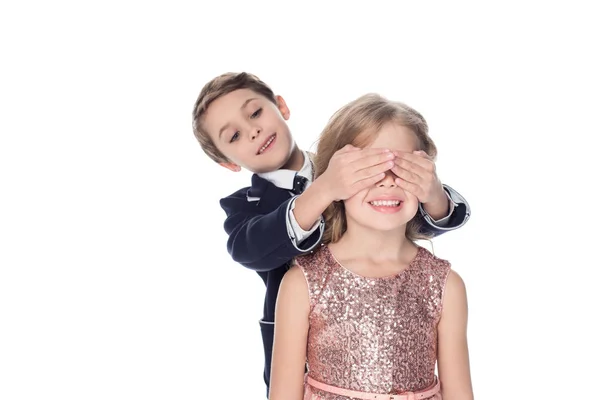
(385, 206)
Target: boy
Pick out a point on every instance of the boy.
(240, 123)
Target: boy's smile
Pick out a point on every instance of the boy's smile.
(269, 143)
(251, 131)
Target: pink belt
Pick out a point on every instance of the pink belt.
(423, 394)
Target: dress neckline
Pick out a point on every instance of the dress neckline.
(411, 265)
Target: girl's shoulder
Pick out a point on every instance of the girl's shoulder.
(315, 266)
(312, 260)
(429, 261)
(431, 268)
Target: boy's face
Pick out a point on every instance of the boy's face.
(250, 131)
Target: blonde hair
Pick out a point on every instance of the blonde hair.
(218, 87)
(358, 123)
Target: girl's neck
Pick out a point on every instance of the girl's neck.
(358, 243)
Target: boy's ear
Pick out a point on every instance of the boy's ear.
(231, 166)
(283, 108)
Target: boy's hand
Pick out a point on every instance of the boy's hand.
(351, 170)
(416, 174)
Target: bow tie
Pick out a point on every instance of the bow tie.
(299, 184)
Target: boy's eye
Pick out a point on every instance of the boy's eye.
(256, 113)
(234, 137)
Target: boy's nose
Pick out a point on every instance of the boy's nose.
(389, 180)
(254, 133)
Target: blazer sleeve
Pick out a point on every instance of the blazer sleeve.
(259, 240)
(459, 217)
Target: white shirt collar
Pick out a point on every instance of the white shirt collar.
(284, 178)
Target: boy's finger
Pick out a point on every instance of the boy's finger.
(375, 150)
(376, 170)
(347, 148)
(422, 154)
(363, 153)
(408, 186)
(406, 175)
(420, 158)
(372, 159)
(365, 183)
(416, 153)
(410, 166)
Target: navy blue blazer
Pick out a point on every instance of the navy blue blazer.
(258, 239)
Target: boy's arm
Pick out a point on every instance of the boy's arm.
(258, 240)
(457, 215)
(299, 235)
(350, 170)
(441, 208)
(261, 241)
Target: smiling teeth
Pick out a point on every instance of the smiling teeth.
(266, 145)
(385, 203)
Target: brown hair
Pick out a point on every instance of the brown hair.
(217, 87)
(357, 123)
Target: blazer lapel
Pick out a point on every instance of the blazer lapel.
(263, 190)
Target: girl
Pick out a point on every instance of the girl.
(370, 312)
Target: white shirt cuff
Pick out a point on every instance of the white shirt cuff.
(296, 233)
(442, 222)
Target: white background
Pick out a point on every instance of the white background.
(115, 281)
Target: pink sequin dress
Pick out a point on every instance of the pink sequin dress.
(375, 335)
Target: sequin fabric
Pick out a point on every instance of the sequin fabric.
(375, 335)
